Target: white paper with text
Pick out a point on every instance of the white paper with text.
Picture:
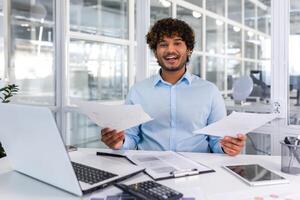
(119, 117)
(236, 122)
(160, 164)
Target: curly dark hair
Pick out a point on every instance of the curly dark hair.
(170, 27)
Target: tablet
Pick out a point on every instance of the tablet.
(256, 175)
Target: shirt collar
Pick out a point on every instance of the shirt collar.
(187, 78)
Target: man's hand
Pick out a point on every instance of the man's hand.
(112, 138)
(233, 146)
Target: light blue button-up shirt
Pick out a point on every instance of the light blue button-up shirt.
(177, 110)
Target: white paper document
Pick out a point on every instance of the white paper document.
(119, 117)
(167, 164)
(236, 122)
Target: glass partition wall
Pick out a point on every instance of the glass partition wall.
(98, 61)
(32, 51)
(2, 62)
(294, 63)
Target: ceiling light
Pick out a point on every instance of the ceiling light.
(236, 29)
(211, 51)
(196, 14)
(25, 25)
(261, 37)
(219, 22)
(165, 3)
(250, 34)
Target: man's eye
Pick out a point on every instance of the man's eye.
(163, 45)
(177, 43)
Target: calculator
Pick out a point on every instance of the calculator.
(150, 190)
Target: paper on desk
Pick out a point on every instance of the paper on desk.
(119, 117)
(236, 122)
(159, 164)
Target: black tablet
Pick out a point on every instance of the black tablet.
(256, 175)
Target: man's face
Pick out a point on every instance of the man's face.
(171, 53)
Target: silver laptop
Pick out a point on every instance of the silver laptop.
(34, 147)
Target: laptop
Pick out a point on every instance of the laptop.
(35, 148)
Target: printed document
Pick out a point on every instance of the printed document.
(236, 122)
(166, 164)
(119, 117)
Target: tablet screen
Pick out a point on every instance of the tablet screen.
(254, 173)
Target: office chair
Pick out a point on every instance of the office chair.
(242, 88)
(295, 84)
(260, 88)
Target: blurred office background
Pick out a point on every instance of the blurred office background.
(95, 50)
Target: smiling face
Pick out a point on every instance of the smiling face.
(172, 53)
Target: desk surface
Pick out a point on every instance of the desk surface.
(14, 185)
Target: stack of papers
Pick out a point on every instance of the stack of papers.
(236, 122)
(160, 164)
(119, 117)
(167, 164)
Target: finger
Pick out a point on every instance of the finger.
(242, 137)
(233, 140)
(107, 131)
(108, 136)
(115, 138)
(234, 146)
(228, 146)
(115, 141)
(118, 143)
(230, 152)
(111, 137)
(231, 146)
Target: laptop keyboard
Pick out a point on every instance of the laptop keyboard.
(89, 174)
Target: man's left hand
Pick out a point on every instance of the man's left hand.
(233, 146)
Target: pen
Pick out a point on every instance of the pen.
(184, 172)
(109, 154)
(98, 153)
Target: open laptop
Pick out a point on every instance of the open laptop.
(35, 148)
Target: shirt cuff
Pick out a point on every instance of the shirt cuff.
(218, 148)
(129, 143)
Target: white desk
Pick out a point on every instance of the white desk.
(17, 186)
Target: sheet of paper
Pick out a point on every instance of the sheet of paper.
(119, 117)
(160, 164)
(236, 122)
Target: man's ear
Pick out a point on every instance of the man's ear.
(155, 54)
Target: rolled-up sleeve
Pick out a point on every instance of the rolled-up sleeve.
(215, 145)
(132, 138)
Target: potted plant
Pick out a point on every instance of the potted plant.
(6, 93)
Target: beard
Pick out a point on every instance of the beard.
(181, 65)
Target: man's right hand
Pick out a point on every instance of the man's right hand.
(112, 138)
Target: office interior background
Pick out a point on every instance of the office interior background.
(56, 51)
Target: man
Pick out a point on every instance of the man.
(178, 101)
